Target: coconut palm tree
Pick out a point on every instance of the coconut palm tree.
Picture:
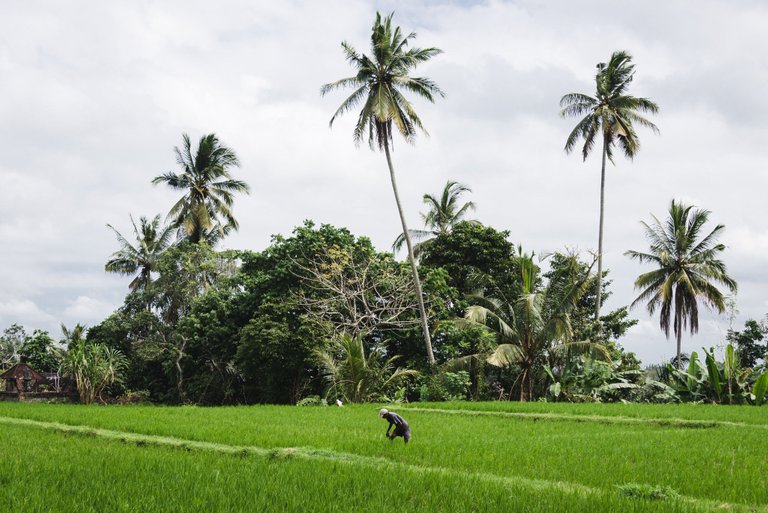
(533, 328)
(379, 84)
(688, 270)
(442, 215)
(152, 240)
(611, 116)
(74, 336)
(208, 188)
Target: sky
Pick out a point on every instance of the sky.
(95, 95)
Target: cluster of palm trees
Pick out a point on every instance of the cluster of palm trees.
(202, 214)
(687, 267)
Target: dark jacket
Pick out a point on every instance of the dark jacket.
(401, 426)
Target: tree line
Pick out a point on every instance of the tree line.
(323, 314)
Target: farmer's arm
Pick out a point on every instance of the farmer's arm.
(390, 426)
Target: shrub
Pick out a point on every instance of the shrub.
(312, 400)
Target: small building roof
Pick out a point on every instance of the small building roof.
(17, 371)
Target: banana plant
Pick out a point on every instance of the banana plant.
(727, 379)
(690, 384)
(585, 378)
(759, 394)
(719, 382)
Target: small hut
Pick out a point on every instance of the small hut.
(21, 378)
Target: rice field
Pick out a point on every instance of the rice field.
(463, 457)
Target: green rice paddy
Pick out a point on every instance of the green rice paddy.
(463, 457)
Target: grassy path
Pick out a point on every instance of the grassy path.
(601, 419)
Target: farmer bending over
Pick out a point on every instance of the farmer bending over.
(401, 426)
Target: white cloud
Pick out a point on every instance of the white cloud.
(87, 310)
(24, 312)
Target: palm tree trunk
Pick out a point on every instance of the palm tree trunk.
(679, 344)
(526, 385)
(600, 233)
(411, 259)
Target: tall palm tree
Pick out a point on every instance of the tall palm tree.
(687, 270)
(379, 84)
(611, 115)
(442, 215)
(152, 240)
(208, 188)
(74, 336)
(533, 328)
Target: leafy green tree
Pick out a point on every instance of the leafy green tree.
(186, 272)
(442, 215)
(151, 240)
(94, 367)
(688, 270)
(205, 209)
(275, 353)
(611, 115)
(472, 249)
(611, 326)
(747, 341)
(136, 331)
(379, 84)
(277, 338)
(533, 328)
(40, 353)
(154, 330)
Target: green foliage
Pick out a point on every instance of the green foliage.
(612, 325)
(469, 250)
(151, 240)
(134, 397)
(533, 327)
(94, 367)
(442, 215)
(379, 83)
(312, 400)
(73, 337)
(204, 212)
(355, 377)
(457, 385)
(688, 270)
(751, 351)
(276, 341)
(760, 390)
(40, 353)
(37, 349)
(583, 378)
(719, 382)
(274, 353)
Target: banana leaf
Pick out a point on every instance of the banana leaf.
(760, 388)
